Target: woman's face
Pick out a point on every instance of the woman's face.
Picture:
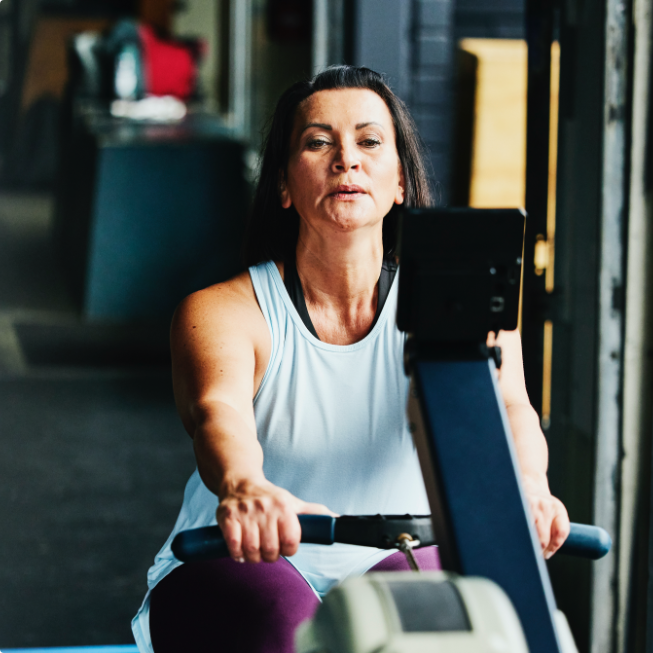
(343, 171)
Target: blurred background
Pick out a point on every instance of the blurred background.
(129, 141)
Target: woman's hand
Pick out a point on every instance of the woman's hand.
(549, 513)
(259, 521)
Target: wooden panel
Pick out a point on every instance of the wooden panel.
(46, 69)
(498, 171)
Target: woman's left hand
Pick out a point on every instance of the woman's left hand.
(550, 515)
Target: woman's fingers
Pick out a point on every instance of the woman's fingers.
(559, 531)
(269, 537)
(290, 534)
(543, 527)
(551, 522)
(232, 533)
(260, 522)
(251, 542)
(290, 531)
(537, 504)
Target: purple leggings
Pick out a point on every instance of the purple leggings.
(221, 605)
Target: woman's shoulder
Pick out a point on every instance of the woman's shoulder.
(222, 304)
(236, 289)
(215, 330)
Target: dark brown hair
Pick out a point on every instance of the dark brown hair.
(272, 231)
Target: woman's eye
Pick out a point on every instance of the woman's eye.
(371, 142)
(317, 144)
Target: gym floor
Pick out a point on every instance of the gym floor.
(93, 457)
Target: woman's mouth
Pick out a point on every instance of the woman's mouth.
(347, 192)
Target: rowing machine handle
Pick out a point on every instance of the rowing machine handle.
(205, 543)
(586, 541)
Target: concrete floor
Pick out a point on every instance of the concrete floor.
(93, 462)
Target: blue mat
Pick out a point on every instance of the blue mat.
(131, 648)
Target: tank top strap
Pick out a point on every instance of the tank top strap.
(274, 310)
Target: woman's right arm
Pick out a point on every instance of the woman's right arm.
(220, 347)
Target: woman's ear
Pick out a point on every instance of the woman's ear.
(399, 196)
(284, 193)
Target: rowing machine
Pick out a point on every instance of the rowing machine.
(459, 280)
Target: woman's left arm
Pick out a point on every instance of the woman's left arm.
(551, 519)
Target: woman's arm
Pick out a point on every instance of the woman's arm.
(220, 347)
(551, 519)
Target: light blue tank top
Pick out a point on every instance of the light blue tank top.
(331, 420)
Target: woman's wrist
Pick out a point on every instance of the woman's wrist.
(240, 484)
(536, 482)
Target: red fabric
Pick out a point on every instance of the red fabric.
(169, 67)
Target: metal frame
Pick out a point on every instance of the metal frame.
(329, 35)
(614, 211)
(635, 608)
(574, 388)
(535, 309)
(240, 39)
(636, 553)
(468, 460)
(448, 303)
(321, 34)
(600, 439)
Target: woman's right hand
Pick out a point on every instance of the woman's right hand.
(259, 521)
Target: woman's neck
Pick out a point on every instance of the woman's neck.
(339, 271)
(339, 278)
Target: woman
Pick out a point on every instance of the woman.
(289, 379)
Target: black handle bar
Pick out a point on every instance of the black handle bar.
(378, 531)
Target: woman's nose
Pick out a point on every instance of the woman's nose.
(346, 159)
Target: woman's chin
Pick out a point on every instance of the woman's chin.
(342, 220)
(349, 219)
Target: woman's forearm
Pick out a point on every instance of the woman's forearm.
(227, 450)
(532, 451)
